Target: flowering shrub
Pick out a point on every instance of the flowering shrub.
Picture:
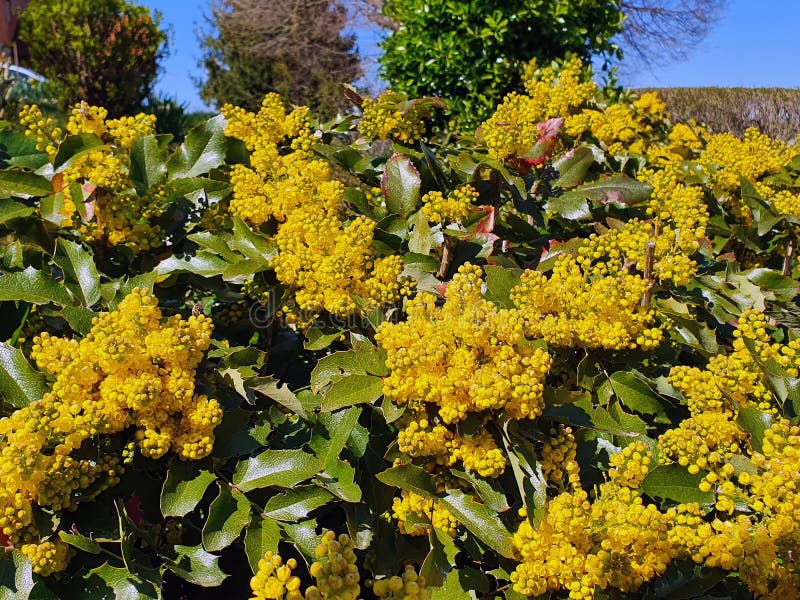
(290, 360)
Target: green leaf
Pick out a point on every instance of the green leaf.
(616, 189)
(263, 534)
(499, 283)
(203, 150)
(674, 482)
(10, 210)
(570, 205)
(280, 468)
(784, 288)
(184, 488)
(493, 498)
(339, 477)
(271, 388)
(20, 383)
(409, 477)
(72, 148)
(80, 273)
(122, 584)
(371, 358)
(79, 318)
(33, 286)
(227, 516)
(573, 166)
(195, 565)
(635, 393)
(205, 264)
(148, 161)
(420, 240)
(754, 422)
(81, 542)
(479, 520)
(305, 536)
(401, 185)
(332, 368)
(295, 505)
(16, 576)
(352, 390)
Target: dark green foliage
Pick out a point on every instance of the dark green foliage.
(472, 53)
(105, 52)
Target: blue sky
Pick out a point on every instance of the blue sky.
(753, 45)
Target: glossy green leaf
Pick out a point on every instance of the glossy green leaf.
(635, 393)
(278, 468)
(499, 283)
(81, 542)
(80, 272)
(480, 521)
(10, 210)
(33, 286)
(616, 189)
(754, 422)
(183, 488)
(119, 583)
(203, 150)
(73, 148)
(148, 161)
(570, 205)
(20, 383)
(573, 166)
(352, 390)
(674, 482)
(295, 505)
(409, 477)
(195, 565)
(401, 185)
(263, 534)
(227, 516)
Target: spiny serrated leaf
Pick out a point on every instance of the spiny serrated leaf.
(573, 166)
(401, 185)
(263, 534)
(479, 520)
(184, 488)
(203, 150)
(295, 505)
(279, 468)
(80, 272)
(20, 383)
(33, 286)
(148, 161)
(409, 477)
(674, 482)
(227, 516)
(352, 390)
(195, 565)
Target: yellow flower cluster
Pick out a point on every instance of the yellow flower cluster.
(455, 208)
(409, 586)
(577, 308)
(412, 508)
(752, 157)
(704, 441)
(620, 127)
(115, 215)
(47, 557)
(327, 259)
(558, 458)
(131, 370)
(336, 573)
(736, 380)
(615, 542)
(273, 579)
(391, 116)
(512, 130)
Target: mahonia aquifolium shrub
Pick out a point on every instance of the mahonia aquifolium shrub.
(559, 357)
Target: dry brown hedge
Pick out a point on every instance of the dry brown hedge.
(775, 111)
